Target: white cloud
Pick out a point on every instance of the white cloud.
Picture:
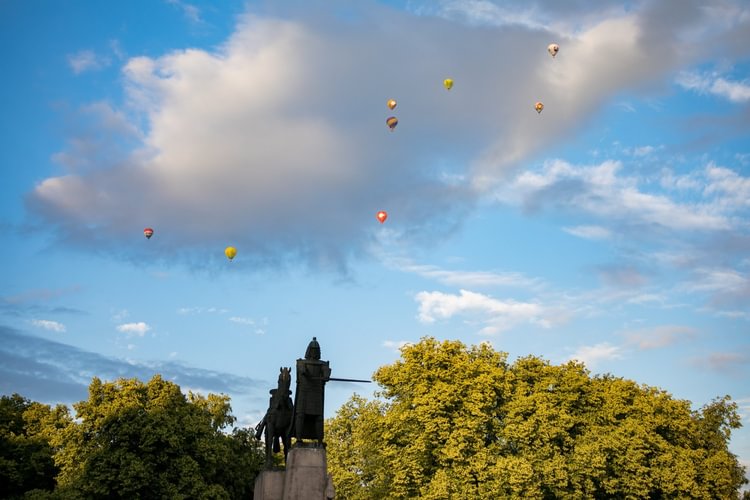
(593, 355)
(600, 191)
(712, 83)
(495, 315)
(396, 345)
(589, 232)
(134, 329)
(273, 139)
(86, 60)
(48, 325)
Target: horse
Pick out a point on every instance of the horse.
(278, 418)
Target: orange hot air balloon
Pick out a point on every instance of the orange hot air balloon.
(391, 121)
(148, 233)
(539, 107)
(382, 216)
(391, 103)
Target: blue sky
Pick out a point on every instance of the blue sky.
(611, 228)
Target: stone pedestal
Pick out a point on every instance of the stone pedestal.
(306, 477)
(269, 485)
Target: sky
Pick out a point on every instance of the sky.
(612, 228)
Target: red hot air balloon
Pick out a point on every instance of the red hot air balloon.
(148, 233)
(382, 216)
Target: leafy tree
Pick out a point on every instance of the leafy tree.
(458, 422)
(25, 452)
(135, 440)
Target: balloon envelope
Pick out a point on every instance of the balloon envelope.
(552, 49)
(448, 83)
(391, 103)
(230, 252)
(382, 216)
(539, 107)
(148, 232)
(391, 121)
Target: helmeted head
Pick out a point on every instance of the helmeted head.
(313, 350)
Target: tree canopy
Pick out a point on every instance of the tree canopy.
(135, 440)
(461, 422)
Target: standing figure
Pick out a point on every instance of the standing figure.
(312, 375)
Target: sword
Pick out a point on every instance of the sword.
(349, 380)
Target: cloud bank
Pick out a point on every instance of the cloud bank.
(275, 142)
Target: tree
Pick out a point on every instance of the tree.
(25, 452)
(458, 422)
(136, 440)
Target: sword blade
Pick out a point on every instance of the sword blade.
(349, 380)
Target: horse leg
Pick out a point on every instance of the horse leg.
(269, 445)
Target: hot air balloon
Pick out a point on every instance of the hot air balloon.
(230, 252)
(391, 103)
(552, 49)
(448, 83)
(391, 121)
(148, 233)
(382, 216)
(539, 107)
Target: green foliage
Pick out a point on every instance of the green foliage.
(137, 440)
(25, 453)
(458, 422)
(130, 440)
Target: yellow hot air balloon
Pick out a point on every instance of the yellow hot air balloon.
(539, 107)
(230, 252)
(448, 83)
(391, 103)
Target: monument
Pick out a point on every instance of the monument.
(305, 476)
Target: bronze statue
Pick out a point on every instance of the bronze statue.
(312, 375)
(278, 418)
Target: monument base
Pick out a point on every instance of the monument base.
(269, 485)
(306, 476)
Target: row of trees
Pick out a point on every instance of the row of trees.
(450, 422)
(129, 440)
(462, 423)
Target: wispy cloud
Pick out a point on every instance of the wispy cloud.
(190, 11)
(592, 355)
(732, 363)
(589, 232)
(54, 372)
(134, 329)
(48, 325)
(713, 83)
(601, 191)
(464, 278)
(396, 345)
(659, 336)
(87, 60)
(242, 321)
(200, 310)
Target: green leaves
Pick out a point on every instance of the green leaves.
(458, 422)
(134, 440)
